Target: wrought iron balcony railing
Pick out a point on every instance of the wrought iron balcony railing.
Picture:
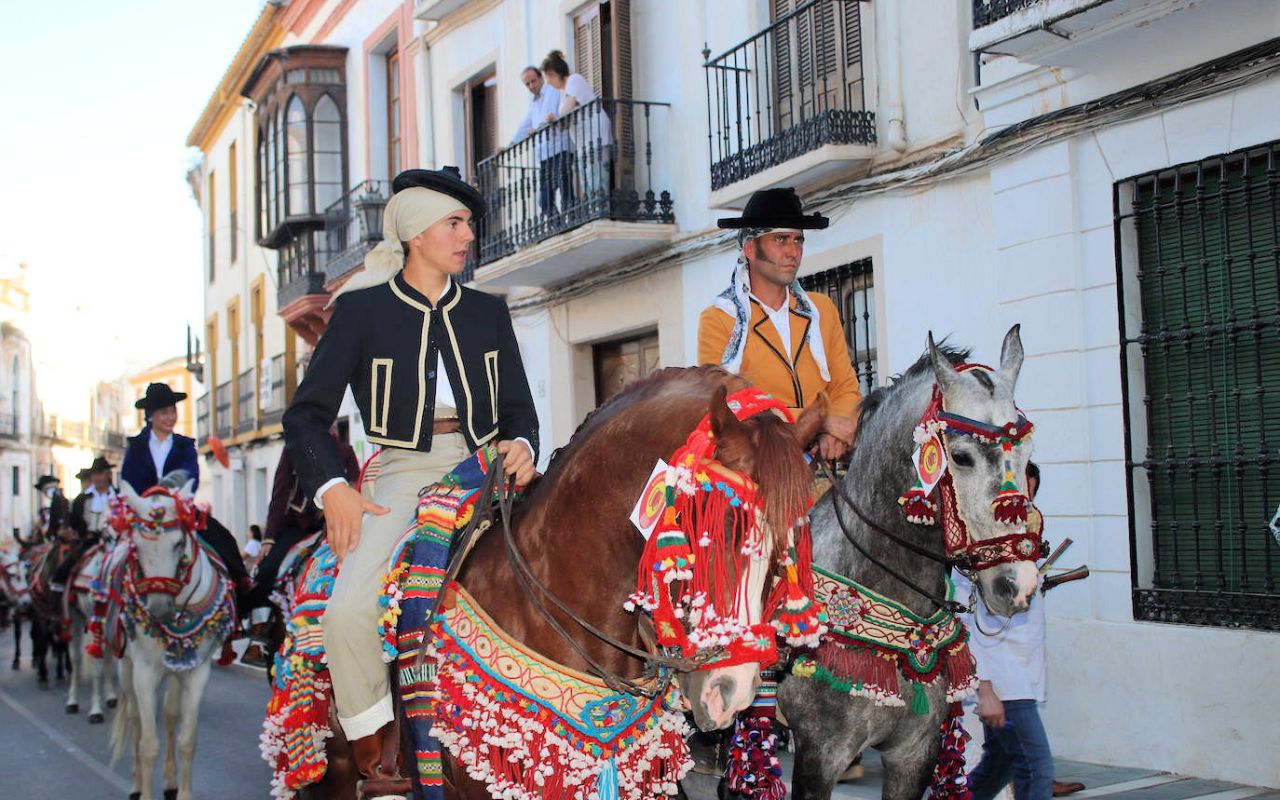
(353, 226)
(986, 12)
(202, 420)
(795, 86)
(246, 401)
(300, 269)
(273, 392)
(222, 410)
(594, 163)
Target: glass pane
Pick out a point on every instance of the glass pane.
(295, 76)
(299, 158)
(326, 76)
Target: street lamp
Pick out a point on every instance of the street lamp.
(369, 207)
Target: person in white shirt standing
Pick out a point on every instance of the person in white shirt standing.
(551, 146)
(590, 128)
(1012, 679)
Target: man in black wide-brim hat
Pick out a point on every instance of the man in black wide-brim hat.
(436, 371)
(768, 329)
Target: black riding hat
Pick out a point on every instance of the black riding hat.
(45, 480)
(100, 464)
(159, 395)
(447, 180)
(775, 208)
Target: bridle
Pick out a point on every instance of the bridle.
(9, 577)
(961, 552)
(187, 518)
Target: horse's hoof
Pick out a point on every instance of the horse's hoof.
(135, 795)
(112, 703)
(170, 794)
(96, 719)
(73, 708)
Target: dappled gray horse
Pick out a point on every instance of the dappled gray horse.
(970, 447)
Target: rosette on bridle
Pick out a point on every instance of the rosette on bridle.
(710, 535)
(933, 479)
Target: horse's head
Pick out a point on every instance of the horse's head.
(769, 452)
(985, 450)
(157, 525)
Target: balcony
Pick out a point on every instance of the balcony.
(580, 193)
(787, 106)
(273, 392)
(222, 411)
(247, 401)
(1056, 32)
(202, 420)
(300, 292)
(352, 227)
(9, 426)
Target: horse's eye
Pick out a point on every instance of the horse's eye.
(962, 459)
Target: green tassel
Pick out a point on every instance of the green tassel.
(919, 703)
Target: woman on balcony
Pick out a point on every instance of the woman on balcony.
(591, 131)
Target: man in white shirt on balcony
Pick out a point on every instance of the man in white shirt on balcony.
(551, 145)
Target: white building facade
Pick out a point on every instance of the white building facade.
(1100, 171)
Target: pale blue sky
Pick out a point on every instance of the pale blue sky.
(96, 100)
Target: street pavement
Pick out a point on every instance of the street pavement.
(45, 752)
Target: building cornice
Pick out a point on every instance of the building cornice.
(468, 13)
(265, 35)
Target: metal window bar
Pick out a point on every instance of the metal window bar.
(9, 426)
(596, 162)
(850, 287)
(222, 410)
(352, 226)
(202, 419)
(246, 400)
(986, 12)
(1207, 276)
(788, 90)
(273, 402)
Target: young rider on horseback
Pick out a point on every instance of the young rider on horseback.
(436, 372)
(88, 519)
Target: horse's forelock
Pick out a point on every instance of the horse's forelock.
(781, 473)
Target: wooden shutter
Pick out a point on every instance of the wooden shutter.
(616, 45)
(588, 48)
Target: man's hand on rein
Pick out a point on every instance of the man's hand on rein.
(518, 461)
(837, 437)
(344, 509)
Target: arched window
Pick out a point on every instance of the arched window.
(264, 221)
(298, 158)
(282, 169)
(327, 136)
(272, 175)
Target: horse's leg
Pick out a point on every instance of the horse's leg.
(173, 692)
(829, 730)
(111, 681)
(40, 651)
(193, 691)
(95, 671)
(77, 668)
(17, 641)
(908, 763)
(146, 679)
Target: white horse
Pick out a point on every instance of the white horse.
(80, 602)
(177, 608)
(16, 592)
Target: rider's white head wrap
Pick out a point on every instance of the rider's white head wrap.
(410, 212)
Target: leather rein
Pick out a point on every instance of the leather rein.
(538, 594)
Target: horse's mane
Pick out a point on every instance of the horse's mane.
(705, 376)
(881, 395)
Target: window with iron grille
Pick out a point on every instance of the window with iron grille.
(1199, 264)
(850, 287)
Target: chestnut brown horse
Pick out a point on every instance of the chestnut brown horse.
(575, 532)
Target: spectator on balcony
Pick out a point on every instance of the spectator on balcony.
(590, 129)
(765, 327)
(551, 146)
(158, 451)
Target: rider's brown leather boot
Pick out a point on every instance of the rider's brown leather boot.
(377, 759)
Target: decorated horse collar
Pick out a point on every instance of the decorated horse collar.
(1011, 505)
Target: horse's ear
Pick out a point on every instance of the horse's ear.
(943, 372)
(1011, 355)
(131, 497)
(188, 489)
(809, 423)
(723, 421)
